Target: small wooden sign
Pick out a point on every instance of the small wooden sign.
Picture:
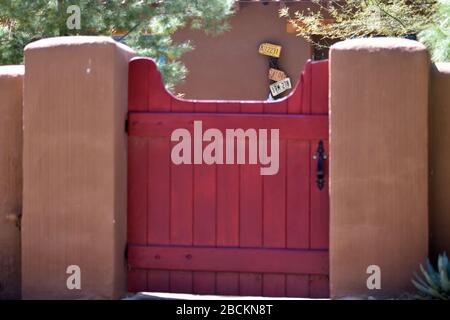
(269, 49)
(280, 87)
(276, 75)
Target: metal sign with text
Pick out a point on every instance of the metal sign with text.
(280, 86)
(276, 75)
(269, 49)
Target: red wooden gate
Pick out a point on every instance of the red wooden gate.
(226, 229)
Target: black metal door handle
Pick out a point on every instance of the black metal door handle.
(320, 157)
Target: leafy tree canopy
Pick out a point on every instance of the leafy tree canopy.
(145, 25)
(437, 34)
(337, 20)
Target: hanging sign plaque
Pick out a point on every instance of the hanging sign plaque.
(269, 49)
(276, 75)
(280, 86)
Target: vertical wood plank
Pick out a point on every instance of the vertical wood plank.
(181, 281)
(204, 224)
(297, 286)
(274, 229)
(158, 222)
(228, 205)
(320, 204)
(251, 223)
(228, 195)
(298, 184)
(319, 87)
(274, 221)
(137, 280)
(274, 285)
(158, 281)
(228, 215)
(137, 205)
(205, 203)
(306, 88)
(294, 101)
(159, 99)
(204, 282)
(251, 207)
(227, 283)
(138, 86)
(137, 170)
(319, 286)
(158, 228)
(181, 215)
(250, 284)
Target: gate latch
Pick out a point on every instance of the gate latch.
(320, 156)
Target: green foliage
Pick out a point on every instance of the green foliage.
(436, 283)
(437, 34)
(355, 18)
(147, 25)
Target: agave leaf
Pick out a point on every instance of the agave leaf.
(442, 266)
(431, 272)
(420, 297)
(420, 280)
(445, 283)
(447, 263)
(442, 261)
(435, 293)
(421, 288)
(445, 259)
(428, 291)
(430, 281)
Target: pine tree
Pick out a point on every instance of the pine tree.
(145, 25)
(437, 35)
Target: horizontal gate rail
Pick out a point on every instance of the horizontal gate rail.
(292, 126)
(229, 259)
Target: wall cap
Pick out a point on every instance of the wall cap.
(443, 67)
(73, 41)
(12, 71)
(377, 44)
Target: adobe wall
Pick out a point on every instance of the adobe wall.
(75, 189)
(11, 83)
(440, 159)
(378, 163)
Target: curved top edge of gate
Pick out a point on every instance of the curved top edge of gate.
(146, 90)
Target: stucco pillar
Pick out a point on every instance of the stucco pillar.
(440, 159)
(11, 82)
(75, 155)
(379, 164)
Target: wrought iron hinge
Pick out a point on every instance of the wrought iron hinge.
(16, 218)
(125, 255)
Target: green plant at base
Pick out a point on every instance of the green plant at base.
(436, 283)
